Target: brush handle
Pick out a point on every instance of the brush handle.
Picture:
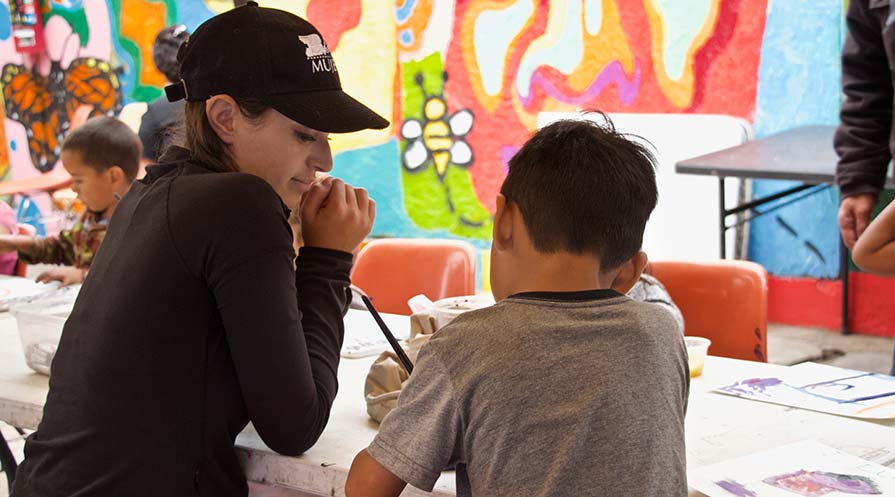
(399, 351)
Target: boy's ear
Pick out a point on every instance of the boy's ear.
(503, 224)
(629, 273)
(116, 174)
(221, 111)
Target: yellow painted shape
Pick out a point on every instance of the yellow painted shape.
(486, 271)
(609, 44)
(679, 92)
(435, 109)
(367, 58)
(416, 24)
(467, 44)
(441, 161)
(297, 7)
(221, 6)
(141, 23)
(4, 144)
(437, 136)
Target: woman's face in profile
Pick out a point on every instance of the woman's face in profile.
(283, 152)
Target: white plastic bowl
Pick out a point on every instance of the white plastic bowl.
(40, 326)
(448, 309)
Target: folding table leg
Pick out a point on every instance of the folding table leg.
(722, 215)
(843, 276)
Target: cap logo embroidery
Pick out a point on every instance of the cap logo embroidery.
(318, 54)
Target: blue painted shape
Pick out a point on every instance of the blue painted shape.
(193, 13)
(68, 5)
(5, 21)
(13, 145)
(27, 212)
(406, 38)
(798, 84)
(378, 169)
(404, 11)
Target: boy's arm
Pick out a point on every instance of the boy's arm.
(368, 478)
(875, 249)
(420, 438)
(18, 243)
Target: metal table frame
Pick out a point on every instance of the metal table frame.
(809, 190)
(803, 154)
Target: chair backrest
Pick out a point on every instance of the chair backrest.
(393, 270)
(725, 301)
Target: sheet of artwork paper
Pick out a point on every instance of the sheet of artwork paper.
(806, 469)
(828, 389)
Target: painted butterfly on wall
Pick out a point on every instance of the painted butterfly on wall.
(45, 104)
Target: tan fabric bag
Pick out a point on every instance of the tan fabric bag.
(387, 376)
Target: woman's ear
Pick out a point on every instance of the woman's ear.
(629, 273)
(222, 112)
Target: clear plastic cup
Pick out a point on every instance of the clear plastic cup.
(697, 349)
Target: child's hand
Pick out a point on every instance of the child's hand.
(67, 275)
(336, 216)
(6, 245)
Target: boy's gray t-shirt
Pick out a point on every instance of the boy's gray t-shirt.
(546, 394)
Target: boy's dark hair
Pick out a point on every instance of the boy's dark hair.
(583, 187)
(104, 142)
(164, 51)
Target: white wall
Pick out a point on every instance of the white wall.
(684, 225)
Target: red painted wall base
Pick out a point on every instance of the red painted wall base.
(813, 302)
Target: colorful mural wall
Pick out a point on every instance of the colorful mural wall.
(463, 83)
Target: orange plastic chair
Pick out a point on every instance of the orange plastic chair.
(725, 301)
(393, 270)
(27, 230)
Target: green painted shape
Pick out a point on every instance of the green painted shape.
(426, 198)
(77, 19)
(171, 16)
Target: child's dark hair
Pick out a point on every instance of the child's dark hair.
(164, 51)
(583, 187)
(104, 142)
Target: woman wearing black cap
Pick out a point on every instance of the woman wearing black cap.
(192, 321)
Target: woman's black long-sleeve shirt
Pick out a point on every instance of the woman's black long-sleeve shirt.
(191, 323)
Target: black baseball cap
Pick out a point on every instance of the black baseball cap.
(274, 56)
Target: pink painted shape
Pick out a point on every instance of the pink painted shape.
(506, 153)
(100, 43)
(62, 43)
(20, 165)
(612, 73)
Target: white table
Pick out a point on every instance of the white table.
(718, 427)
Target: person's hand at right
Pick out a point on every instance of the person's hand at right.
(335, 215)
(854, 216)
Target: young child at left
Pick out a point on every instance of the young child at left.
(102, 156)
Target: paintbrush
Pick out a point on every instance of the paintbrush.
(405, 361)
